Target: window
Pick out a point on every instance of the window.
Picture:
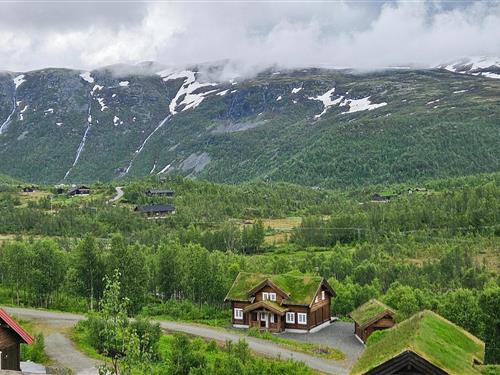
(272, 296)
(265, 296)
(238, 313)
(301, 318)
(272, 318)
(316, 300)
(290, 317)
(322, 294)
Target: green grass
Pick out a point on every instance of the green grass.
(302, 288)
(81, 340)
(316, 350)
(369, 310)
(432, 337)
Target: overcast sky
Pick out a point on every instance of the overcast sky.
(360, 34)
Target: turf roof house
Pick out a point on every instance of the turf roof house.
(371, 316)
(11, 338)
(425, 344)
(292, 302)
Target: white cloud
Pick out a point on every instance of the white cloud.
(360, 35)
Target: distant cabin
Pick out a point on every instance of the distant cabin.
(371, 316)
(156, 210)
(288, 302)
(11, 338)
(160, 193)
(425, 344)
(82, 190)
(377, 198)
(29, 189)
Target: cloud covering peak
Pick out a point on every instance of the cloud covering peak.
(361, 35)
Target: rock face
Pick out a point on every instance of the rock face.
(313, 127)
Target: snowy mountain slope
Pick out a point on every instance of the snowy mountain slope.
(476, 65)
(310, 126)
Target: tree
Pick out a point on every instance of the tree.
(490, 304)
(89, 269)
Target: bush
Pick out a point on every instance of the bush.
(34, 352)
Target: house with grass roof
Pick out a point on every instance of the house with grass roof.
(293, 302)
(371, 316)
(426, 344)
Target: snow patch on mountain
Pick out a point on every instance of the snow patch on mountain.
(166, 168)
(102, 104)
(87, 77)
(187, 90)
(475, 65)
(222, 93)
(279, 98)
(327, 101)
(19, 80)
(117, 121)
(363, 104)
(296, 90)
(124, 83)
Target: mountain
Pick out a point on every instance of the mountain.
(313, 127)
(476, 65)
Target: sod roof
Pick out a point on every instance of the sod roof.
(300, 288)
(433, 338)
(368, 311)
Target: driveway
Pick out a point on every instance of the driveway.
(118, 196)
(62, 321)
(338, 335)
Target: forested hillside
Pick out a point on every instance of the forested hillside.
(312, 127)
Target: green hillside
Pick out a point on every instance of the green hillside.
(385, 127)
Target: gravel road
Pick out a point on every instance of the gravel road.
(71, 358)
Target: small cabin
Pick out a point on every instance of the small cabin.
(160, 193)
(425, 344)
(11, 338)
(81, 190)
(29, 189)
(371, 316)
(156, 210)
(377, 198)
(276, 303)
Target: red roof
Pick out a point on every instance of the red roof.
(25, 337)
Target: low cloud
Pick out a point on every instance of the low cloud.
(88, 35)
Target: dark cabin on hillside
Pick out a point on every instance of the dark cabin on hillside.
(288, 302)
(156, 210)
(371, 316)
(425, 344)
(11, 338)
(160, 193)
(81, 190)
(377, 198)
(29, 189)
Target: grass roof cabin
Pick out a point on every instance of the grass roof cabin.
(290, 301)
(426, 344)
(372, 316)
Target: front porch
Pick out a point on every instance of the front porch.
(266, 315)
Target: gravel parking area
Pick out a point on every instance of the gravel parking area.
(339, 335)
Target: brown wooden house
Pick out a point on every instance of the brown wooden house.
(291, 302)
(371, 316)
(11, 338)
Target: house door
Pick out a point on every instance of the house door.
(264, 320)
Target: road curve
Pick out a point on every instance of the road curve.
(261, 347)
(119, 194)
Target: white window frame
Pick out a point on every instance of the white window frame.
(272, 318)
(316, 300)
(290, 317)
(302, 318)
(272, 297)
(265, 296)
(323, 295)
(238, 314)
